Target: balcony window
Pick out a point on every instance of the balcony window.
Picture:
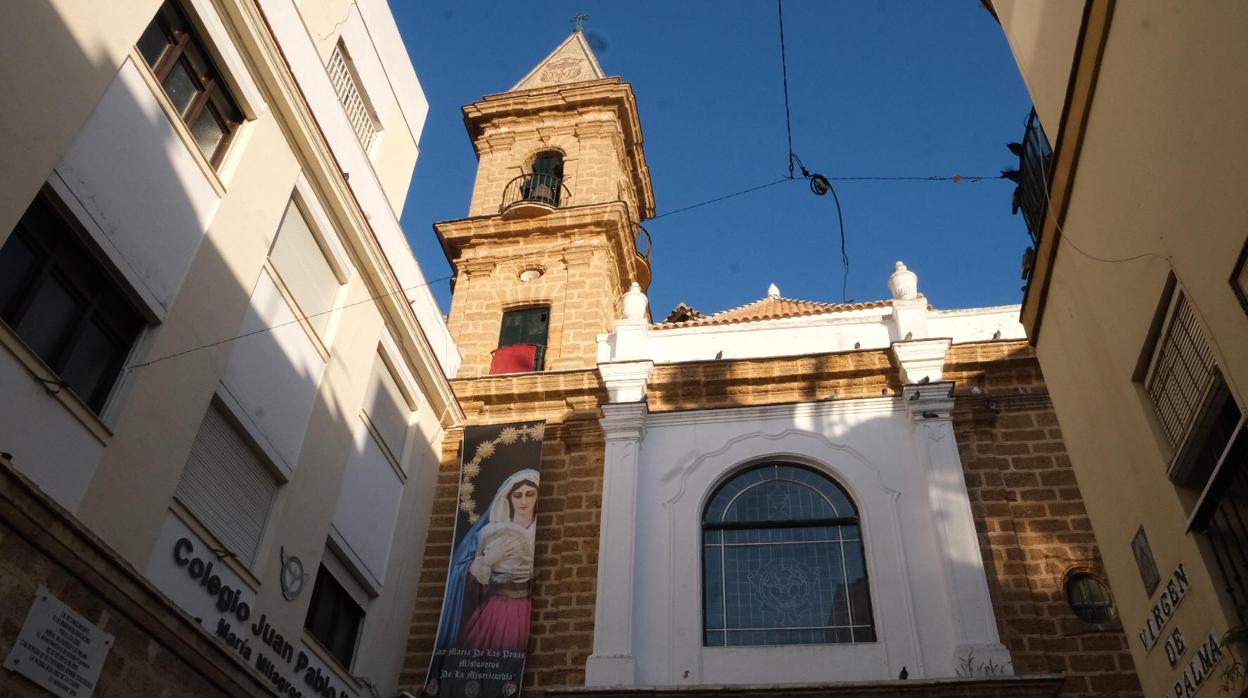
(541, 189)
(185, 70)
(1031, 197)
(522, 341)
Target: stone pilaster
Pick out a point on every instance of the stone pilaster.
(613, 662)
(978, 650)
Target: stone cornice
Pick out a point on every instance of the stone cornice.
(555, 396)
(574, 223)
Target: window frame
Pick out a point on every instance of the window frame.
(1086, 607)
(780, 524)
(539, 358)
(183, 46)
(326, 570)
(364, 114)
(230, 412)
(100, 301)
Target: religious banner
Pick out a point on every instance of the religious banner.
(483, 634)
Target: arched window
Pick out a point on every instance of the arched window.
(782, 561)
(545, 184)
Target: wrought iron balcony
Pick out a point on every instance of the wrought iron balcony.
(1031, 196)
(533, 195)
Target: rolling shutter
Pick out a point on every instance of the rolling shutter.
(226, 485)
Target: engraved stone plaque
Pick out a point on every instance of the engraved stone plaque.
(59, 649)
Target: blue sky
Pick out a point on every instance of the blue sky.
(890, 88)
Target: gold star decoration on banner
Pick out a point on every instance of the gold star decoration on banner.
(485, 449)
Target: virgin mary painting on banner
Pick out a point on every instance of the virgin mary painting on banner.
(484, 629)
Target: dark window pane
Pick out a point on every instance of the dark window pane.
(181, 87)
(92, 365)
(1089, 599)
(17, 263)
(208, 132)
(713, 598)
(334, 617)
(153, 43)
(59, 300)
(51, 317)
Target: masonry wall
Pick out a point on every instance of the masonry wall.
(569, 507)
(157, 651)
(579, 283)
(1029, 514)
(1031, 520)
(590, 139)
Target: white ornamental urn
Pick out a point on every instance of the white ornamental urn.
(635, 303)
(903, 283)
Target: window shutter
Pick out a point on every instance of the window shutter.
(1184, 373)
(304, 269)
(226, 485)
(387, 408)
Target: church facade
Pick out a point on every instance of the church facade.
(814, 498)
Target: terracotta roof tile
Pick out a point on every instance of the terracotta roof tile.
(772, 308)
(683, 312)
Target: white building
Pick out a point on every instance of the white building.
(220, 356)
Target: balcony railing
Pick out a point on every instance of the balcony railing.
(1221, 515)
(545, 191)
(1031, 195)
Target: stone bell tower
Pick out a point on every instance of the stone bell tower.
(550, 244)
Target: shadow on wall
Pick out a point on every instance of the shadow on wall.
(191, 262)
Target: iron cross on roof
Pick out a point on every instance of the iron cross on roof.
(578, 21)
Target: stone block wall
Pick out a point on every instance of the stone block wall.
(1030, 516)
(566, 558)
(157, 650)
(579, 283)
(590, 139)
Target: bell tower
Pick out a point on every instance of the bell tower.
(551, 242)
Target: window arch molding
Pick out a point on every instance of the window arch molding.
(545, 150)
(783, 559)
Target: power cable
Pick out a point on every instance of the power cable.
(814, 179)
(784, 72)
(717, 199)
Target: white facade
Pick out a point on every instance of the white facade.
(318, 347)
(894, 455)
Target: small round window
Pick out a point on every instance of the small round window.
(1089, 598)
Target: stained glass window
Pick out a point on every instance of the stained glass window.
(782, 562)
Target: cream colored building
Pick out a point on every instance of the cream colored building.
(219, 354)
(1136, 306)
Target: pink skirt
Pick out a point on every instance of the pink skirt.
(501, 623)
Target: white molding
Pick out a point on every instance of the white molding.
(626, 380)
(868, 405)
(921, 359)
(877, 501)
(389, 350)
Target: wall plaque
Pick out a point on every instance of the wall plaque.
(59, 649)
(1145, 561)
